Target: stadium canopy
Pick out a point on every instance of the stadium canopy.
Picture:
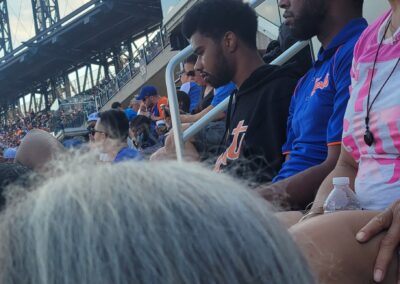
(84, 34)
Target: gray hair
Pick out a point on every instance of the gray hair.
(145, 223)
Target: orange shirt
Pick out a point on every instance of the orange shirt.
(162, 101)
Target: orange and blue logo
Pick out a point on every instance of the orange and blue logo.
(233, 151)
(320, 85)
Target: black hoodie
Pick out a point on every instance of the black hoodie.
(256, 124)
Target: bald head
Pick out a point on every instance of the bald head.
(37, 149)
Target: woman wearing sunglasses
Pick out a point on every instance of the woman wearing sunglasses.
(110, 136)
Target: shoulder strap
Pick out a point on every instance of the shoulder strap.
(232, 97)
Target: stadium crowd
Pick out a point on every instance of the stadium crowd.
(247, 205)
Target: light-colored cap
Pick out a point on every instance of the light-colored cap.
(10, 153)
(341, 181)
(93, 117)
(160, 123)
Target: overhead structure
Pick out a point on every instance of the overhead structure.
(86, 36)
(5, 34)
(45, 14)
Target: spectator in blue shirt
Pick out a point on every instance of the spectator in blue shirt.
(207, 141)
(190, 83)
(132, 111)
(129, 112)
(110, 135)
(220, 94)
(117, 106)
(317, 108)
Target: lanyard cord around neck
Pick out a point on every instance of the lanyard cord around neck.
(368, 136)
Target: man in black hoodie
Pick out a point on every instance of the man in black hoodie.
(223, 35)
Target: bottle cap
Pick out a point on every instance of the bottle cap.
(341, 181)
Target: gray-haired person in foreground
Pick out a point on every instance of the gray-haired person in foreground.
(181, 224)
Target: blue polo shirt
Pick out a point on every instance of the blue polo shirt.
(130, 113)
(319, 102)
(127, 154)
(194, 92)
(222, 93)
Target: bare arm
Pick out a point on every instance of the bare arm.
(334, 255)
(156, 118)
(346, 166)
(190, 118)
(300, 189)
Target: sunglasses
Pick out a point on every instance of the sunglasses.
(92, 131)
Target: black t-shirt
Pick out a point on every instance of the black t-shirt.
(256, 123)
(205, 101)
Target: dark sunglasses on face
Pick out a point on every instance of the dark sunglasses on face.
(92, 131)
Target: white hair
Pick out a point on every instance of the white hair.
(145, 223)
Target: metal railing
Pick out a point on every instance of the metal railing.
(173, 99)
(179, 136)
(141, 57)
(71, 115)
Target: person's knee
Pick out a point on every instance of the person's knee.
(191, 153)
(289, 218)
(169, 142)
(161, 154)
(328, 242)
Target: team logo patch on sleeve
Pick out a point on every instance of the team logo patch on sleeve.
(233, 151)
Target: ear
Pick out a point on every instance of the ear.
(230, 42)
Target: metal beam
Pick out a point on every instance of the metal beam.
(23, 99)
(30, 103)
(45, 14)
(91, 76)
(35, 102)
(5, 33)
(40, 102)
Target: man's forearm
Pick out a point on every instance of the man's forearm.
(300, 189)
(296, 192)
(195, 117)
(189, 118)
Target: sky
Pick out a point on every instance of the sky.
(21, 17)
(168, 5)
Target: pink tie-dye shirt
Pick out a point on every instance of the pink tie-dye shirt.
(378, 180)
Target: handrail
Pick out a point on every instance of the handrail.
(173, 99)
(201, 123)
(255, 3)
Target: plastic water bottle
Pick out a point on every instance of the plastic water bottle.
(341, 197)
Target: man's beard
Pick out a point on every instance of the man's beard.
(223, 74)
(308, 24)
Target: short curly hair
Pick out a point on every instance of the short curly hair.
(213, 18)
